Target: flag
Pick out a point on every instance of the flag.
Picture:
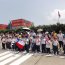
(20, 44)
(59, 14)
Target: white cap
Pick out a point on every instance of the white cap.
(46, 32)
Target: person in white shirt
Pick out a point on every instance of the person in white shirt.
(48, 44)
(60, 38)
(64, 44)
(55, 46)
(9, 39)
(13, 42)
(6, 42)
(38, 41)
(43, 44)
(39, 34)
(27, 44)
(3, 42)
(33, 44)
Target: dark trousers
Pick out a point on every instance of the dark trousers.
(64, 49)
(8, 45)
(38, 48)
(55, 49)
(3, 45)
(33, 47)
(13, 46)
(27, 48)
(16, 48)
(43, 48)
(61, 43)
(47, 50)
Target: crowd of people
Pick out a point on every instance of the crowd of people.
(50, 43)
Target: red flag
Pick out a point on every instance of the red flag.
(20, 44)
(59, 14)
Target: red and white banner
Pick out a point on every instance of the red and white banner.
(20, 44)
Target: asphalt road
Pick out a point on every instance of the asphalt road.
(43, 60)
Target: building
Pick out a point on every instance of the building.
(15, 24)
(20, 23)
(3, 26)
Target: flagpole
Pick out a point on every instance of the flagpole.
(59, 17)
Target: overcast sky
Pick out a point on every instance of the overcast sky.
(38, 11)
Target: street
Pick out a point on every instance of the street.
(8, 57)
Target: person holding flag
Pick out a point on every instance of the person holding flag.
(20, 44)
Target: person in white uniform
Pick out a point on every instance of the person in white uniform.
(64, 44)
(43, 45)
(3, 42)
(60, 38)
(13, 42)
(55, 46)
(38, 41)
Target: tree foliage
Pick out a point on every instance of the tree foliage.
(50, 28)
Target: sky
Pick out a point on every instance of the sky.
(40, 12)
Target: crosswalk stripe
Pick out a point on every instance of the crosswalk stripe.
(10, 59)
(6, 56)
(4, 53)
(21, 60)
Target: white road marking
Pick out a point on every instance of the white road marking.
(4, 53)
(21, 60)
(4, 57)
(49, 55)
(10, 59)
(62, 57)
